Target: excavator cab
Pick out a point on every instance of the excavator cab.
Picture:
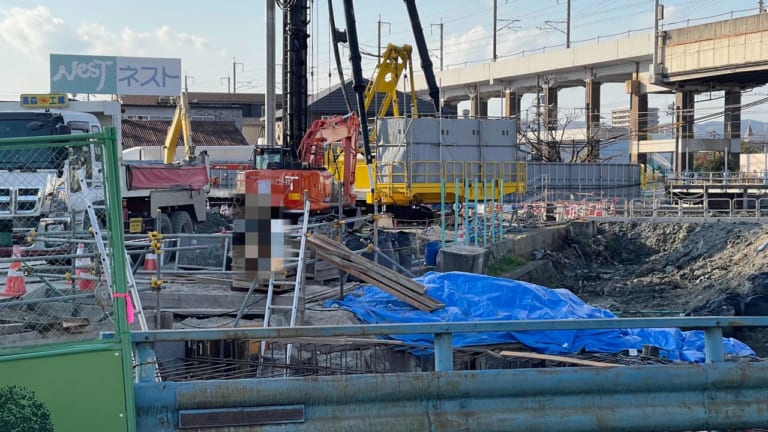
(267, 157)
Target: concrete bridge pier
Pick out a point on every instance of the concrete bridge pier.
(549, 107)
(450, 106)
(592, 117)
(732, 126)
(478, 106)
(638, 122)
(684, 117)
(512, 105)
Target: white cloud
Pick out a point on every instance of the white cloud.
(528, 42)
(35, 32)
(469, 47)
(160, 42)
(476, 45)
(29, 30)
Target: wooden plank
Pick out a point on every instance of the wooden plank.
(371, 276)
(366, 270)
(416, 300)
(537, 356)
(324, 244)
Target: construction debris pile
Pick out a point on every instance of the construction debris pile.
(670, 269)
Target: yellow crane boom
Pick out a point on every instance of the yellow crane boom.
(180, 127)
(386, 75)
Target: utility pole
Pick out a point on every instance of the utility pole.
(228, 83)
(441, 41)
(496, 28)
(378, 60)
(234, 74)
(658, 15)
(761, 6)
(269, 95)
(186, 83)
(389, 28)
(568, 24)
(495, 11)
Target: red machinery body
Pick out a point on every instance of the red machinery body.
(287, 185)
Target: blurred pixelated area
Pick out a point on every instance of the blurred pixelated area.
(259, 242)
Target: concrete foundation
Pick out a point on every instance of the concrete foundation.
(549, 238)
(468, 259)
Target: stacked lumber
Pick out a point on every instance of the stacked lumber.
(390, 281)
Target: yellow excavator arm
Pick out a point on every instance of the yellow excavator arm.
(180, 127)
(385, 78)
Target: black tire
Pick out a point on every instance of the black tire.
(166, 228)
(181, 223)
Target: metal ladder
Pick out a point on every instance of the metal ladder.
(132, 288)
(297, 284)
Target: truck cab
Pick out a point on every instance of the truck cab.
(39, 187)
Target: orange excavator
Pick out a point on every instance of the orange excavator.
(300, 164)
(286, 183)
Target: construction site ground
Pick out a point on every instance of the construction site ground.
(631, 269)
(666, 269)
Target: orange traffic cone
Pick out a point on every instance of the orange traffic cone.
(83, 268)
(14, 283)
(150, 262)
(460, 239)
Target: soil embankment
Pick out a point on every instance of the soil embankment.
(655, 269)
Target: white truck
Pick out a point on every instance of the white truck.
(40, 191)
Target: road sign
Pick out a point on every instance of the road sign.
(54, 100)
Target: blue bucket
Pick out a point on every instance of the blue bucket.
(430, 252)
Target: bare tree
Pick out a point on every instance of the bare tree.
(551, 142)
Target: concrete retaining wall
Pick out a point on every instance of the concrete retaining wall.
(550, 238)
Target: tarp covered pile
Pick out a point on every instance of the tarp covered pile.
(473, 297)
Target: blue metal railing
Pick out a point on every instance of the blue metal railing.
(681, 396)
(443, 332)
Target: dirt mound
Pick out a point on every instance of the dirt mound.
(654, 269)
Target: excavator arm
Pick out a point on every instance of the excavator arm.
(324, 132)
(180, 127)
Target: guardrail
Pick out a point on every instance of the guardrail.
(717, 395)
(646, 208)
(718, 178)
(710, 208)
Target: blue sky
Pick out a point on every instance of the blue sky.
(209, 36)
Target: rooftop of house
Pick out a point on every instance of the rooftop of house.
(146, 133)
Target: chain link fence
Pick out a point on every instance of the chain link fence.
(54, 237)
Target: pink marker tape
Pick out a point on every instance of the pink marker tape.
(128, 305)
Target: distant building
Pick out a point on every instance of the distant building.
(205, 133)
(620, 118)
(245, 110)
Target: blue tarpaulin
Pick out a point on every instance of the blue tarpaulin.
(473, 297)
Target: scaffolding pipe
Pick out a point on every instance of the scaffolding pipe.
(46, 300)
(485, 210)
(474, 219)
(29, 258)
(442, 213)
(456, 206)
(501, 221)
